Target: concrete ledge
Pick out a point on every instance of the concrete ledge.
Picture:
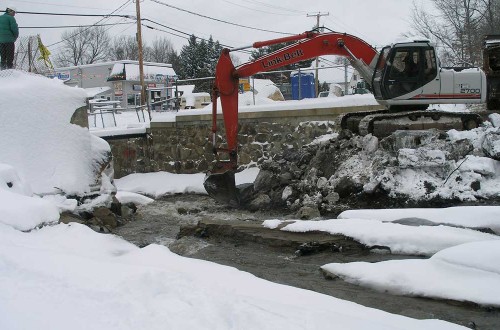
(243, 231)
(309, 114)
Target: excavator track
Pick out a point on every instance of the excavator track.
(351, 120)
(384, 124)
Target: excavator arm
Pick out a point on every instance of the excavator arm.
(219, 182)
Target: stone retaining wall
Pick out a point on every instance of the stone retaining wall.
(183, 146)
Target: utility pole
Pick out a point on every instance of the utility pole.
(141, 60)
(346, 66)
(317, 15)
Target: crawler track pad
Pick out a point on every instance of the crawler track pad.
(222, 188)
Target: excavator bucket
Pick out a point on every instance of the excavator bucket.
(222, 187)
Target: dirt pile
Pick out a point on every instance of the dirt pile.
(405, 169)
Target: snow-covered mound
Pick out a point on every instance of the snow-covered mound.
(37, 139)
(460, 216)
(69, 277)
(399, 238)
(473, 268)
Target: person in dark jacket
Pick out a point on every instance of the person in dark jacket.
(8, 36)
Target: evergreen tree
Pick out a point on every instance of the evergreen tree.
(198, 60)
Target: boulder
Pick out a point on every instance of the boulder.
(106, 217)
(308, 212)
(421, 157)
(261, 202)
(491, 145)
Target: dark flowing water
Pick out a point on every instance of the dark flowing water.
(161, 221)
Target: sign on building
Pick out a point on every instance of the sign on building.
(118, 87)
(63, 75)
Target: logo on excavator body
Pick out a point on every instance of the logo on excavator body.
(282, 58)
(466, 89)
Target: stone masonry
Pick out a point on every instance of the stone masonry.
(185, 146)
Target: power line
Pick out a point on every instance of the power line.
(84, 30)
(157, 29)
(57, 5)
(276, 7)
(167, 27)
(185, 33)
(82, 15)
(70, 26)
(216, 19)
(258, 10)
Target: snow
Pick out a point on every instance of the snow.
(93, 91)
(468, 272)
(57, 276)
(125, 197)
(164, 183)
(463, 216)
(24, 212)
(151, 70)
(69, 277)
(37, 139)
(399, 238)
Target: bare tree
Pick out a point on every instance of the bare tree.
(124, 48)
(160, 51)
(99, 45)
(456, 26)
(83, 45)
(491, 24)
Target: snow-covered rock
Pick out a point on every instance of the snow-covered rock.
(421, 157)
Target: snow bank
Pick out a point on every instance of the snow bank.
(464, 216)
(69, 277)
(37, 138)
(17, 208)
(468, 272)
(164, 183)
(25, 213)
(401, 239)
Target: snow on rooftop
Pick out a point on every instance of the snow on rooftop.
(158, 72)
(186, 89)
(93, 91)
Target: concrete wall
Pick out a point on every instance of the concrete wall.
(184, 146)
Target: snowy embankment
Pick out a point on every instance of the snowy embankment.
(467, 216)
(400, 239)
(69, 277)
(160, 184)
(468, 272)
(51, 155)
(463, 265)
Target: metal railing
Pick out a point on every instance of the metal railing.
(103, 109)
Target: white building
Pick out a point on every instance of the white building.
(120, 81)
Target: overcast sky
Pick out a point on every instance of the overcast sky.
(377, 22)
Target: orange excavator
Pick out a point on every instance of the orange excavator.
(404, 76)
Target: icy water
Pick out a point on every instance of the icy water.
(160, 222)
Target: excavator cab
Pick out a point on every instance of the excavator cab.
(404, 69)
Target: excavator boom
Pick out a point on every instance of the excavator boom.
(220, 182)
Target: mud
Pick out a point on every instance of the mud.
(197, 227)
